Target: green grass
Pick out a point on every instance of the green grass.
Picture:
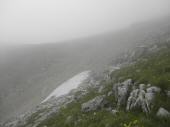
(153, 69)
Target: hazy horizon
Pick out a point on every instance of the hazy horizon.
(42, 21)
(46, 43)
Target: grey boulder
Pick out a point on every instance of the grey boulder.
(121, 91)
(142, 98)
(168, 93)
(94, 104)
(162, 113)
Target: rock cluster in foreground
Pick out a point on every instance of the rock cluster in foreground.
(129, 95)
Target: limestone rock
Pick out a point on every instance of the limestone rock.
(94, 104)
(141, 98)
(168, 93)
(162, 113)
(114, 112)
(109, 93)
(101, 88)
(153, 89)
(121, 91)
(151, 92)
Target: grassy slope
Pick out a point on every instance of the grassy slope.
(153, 69)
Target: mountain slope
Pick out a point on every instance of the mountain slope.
(153, 69)
(31, 72)
(146, 64)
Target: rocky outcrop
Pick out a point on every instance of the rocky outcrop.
(151, 93)
(137, 99)
(135, 96)
(94, 104)
(142, 97)
(121, 91)
(162, 113)
(139, 51)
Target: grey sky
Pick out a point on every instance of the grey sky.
(38, 21)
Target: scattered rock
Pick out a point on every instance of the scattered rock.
(114, 112)
(153, 89)
(109, 109)
(149, 85)
(141, 98)
(168, 93)
(122, 91)
(162, 113)
(132, 99)
(100, 89)
(150, 94)
(137, 99)
(110, 93)
(94, 104)
(154, 48)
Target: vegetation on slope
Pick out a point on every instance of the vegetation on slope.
(153, 69)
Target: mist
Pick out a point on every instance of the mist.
(43, 21)
(46, 44)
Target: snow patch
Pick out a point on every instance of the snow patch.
(67, 86)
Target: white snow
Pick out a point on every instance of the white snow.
(68, 85)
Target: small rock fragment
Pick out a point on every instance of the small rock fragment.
(94, 104)
(162, 113)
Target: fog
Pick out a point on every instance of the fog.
(55, 40)
(42, 21)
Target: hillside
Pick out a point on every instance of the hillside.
(136, 95)
(29, 73)
(152, 68)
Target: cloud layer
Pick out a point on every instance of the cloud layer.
(38, 21)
